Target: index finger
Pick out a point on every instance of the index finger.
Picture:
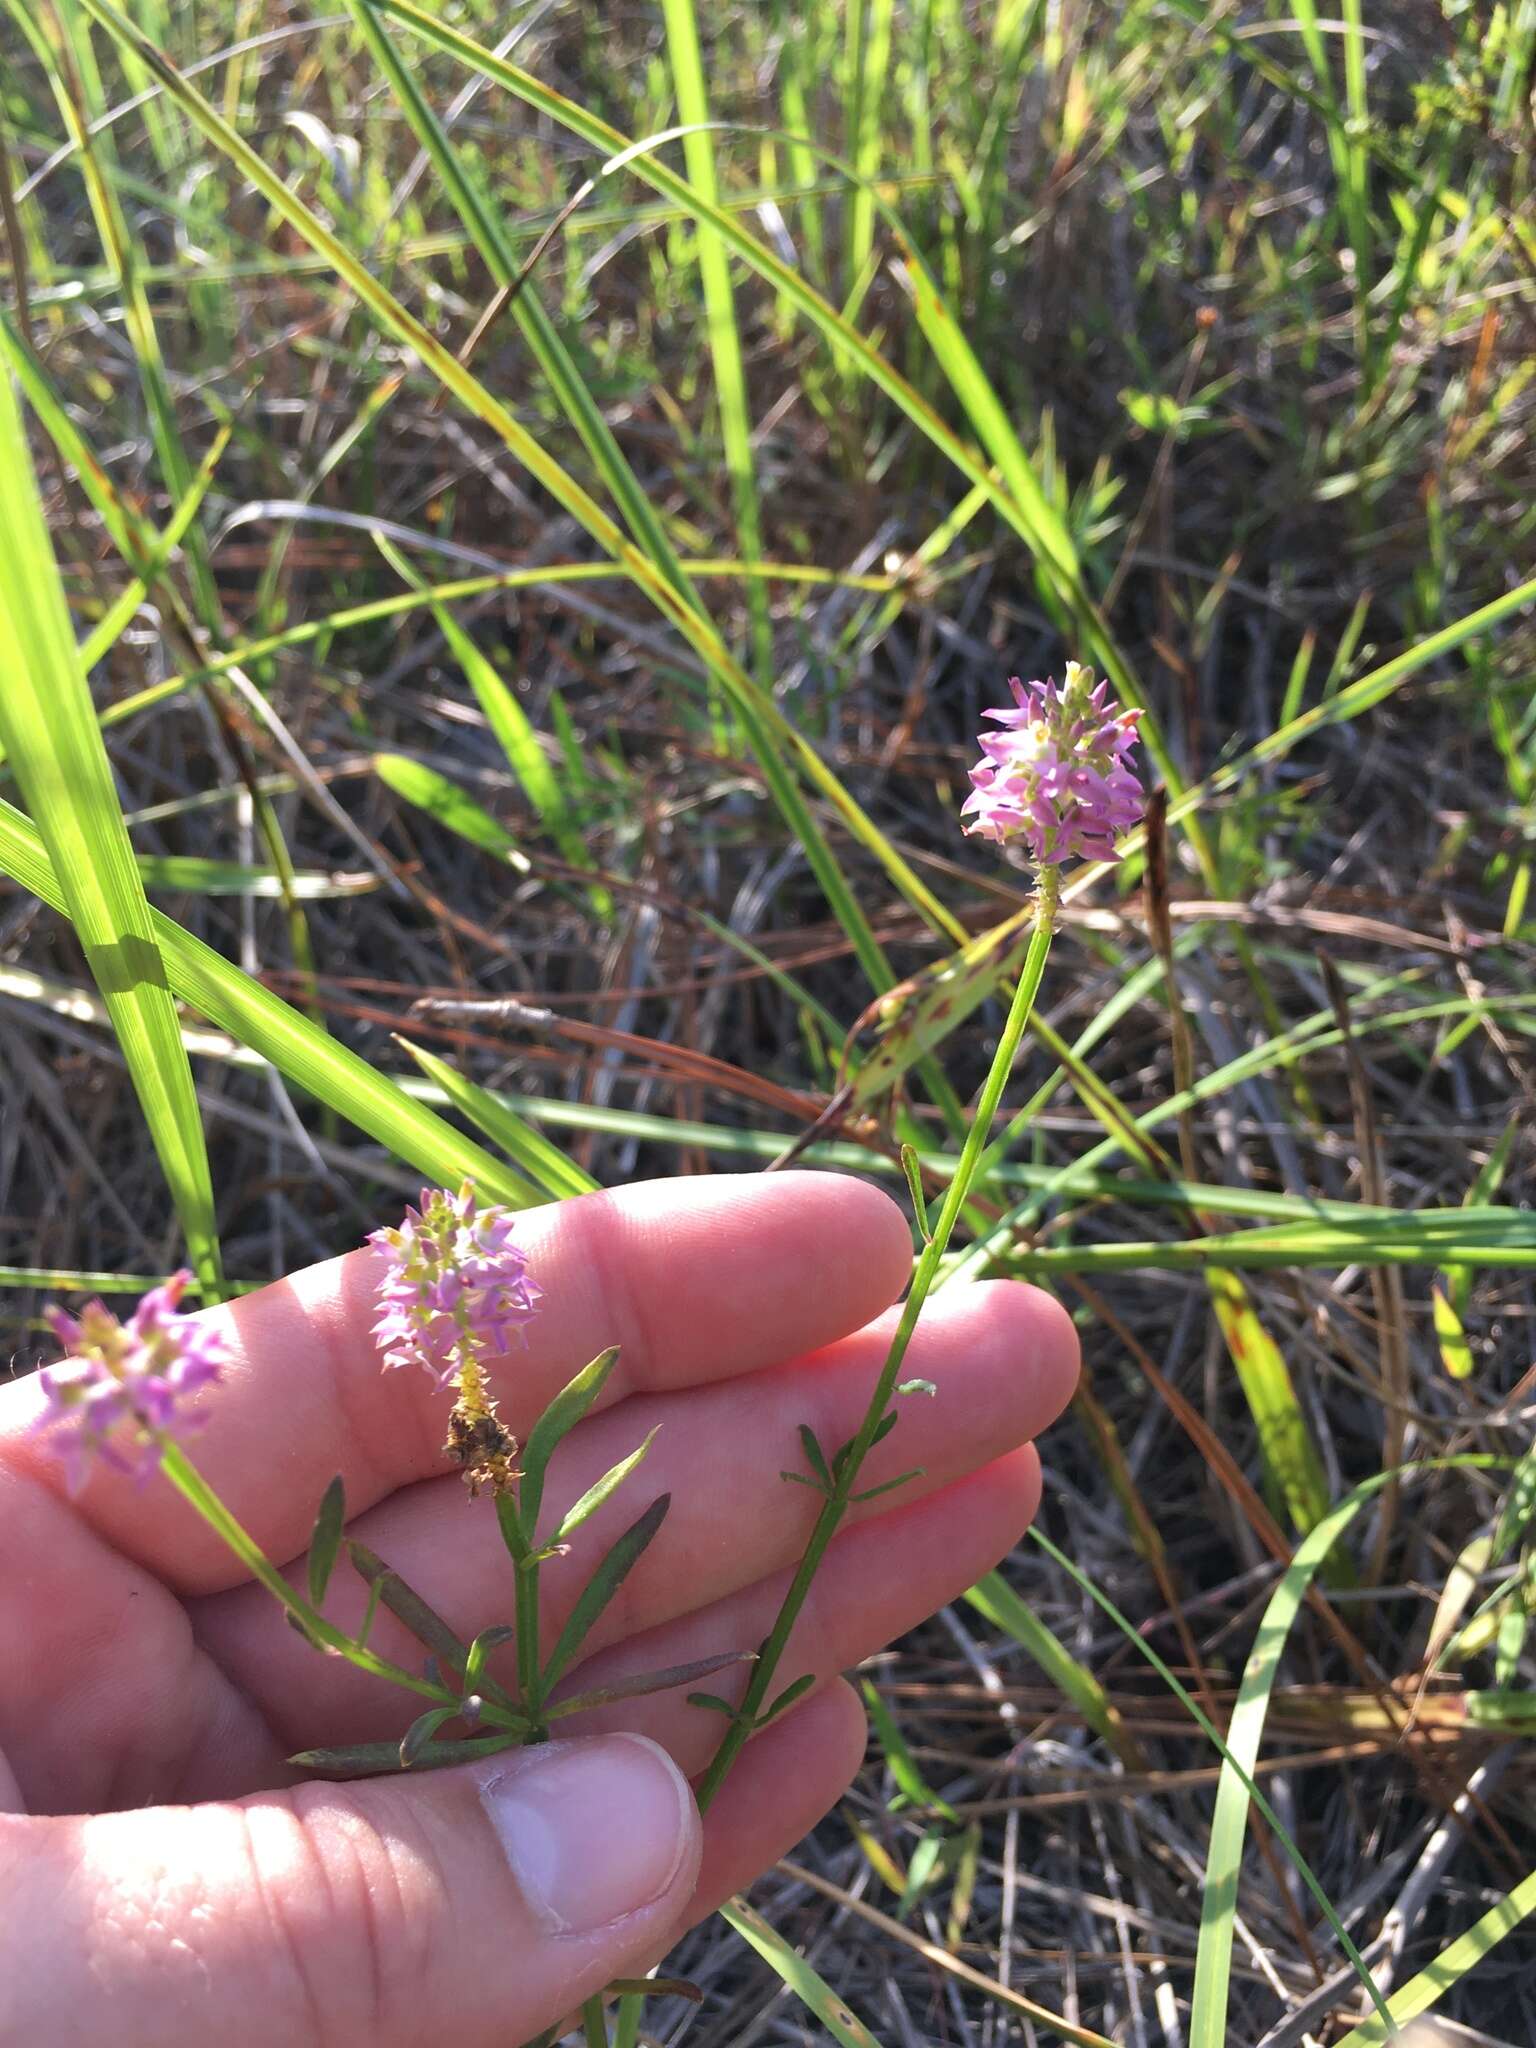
(695, 1280)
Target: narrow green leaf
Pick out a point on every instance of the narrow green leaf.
(1290, 1457)
(996, 1599)
(511, 725)
(886, 1486)
(555, 1172)
(731, 394)
(49, 731)
(796, 1690)
(1519, 1508)
(1424, 1992)
(903, 1765)
(373, 1759)
(407, 1605)
(712, 1703)
(602, 1586)
(646, 1682)
(558, 1419)
(1455, 1351)
(110, 630)
(596, 1494)
(1513, 1624)
(815, 1457)
(194, 876)
(420, 1733)
(922, 1866)
(813, 1993)
(276, 1031)
(1236, 1790)
(912, 1167)
(325, 1542)
(449, 805)
(474, 1664)
(1458, 1279)
(882, 1430)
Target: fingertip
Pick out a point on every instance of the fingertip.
(844, 1727)
(868, 1225)
(1019, 1483)
(1057, 1355)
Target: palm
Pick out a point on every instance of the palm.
(141, 1667)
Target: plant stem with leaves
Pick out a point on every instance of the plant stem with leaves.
(845, 1468)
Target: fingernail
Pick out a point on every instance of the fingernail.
(593, 1830)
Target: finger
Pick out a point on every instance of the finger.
(477, 1906)
(1003, 1357)
(778, 1789)
(876, 1581)
(695, 1280)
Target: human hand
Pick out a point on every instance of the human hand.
(169, 1879)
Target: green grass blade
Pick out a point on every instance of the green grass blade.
(774, 738)
(1424, 1992)
(556, 1174)
(1213, 1963)
(513, 730)
(1290, 1457)
(276, 1032)
(996, 1599)
(65, 36)
(867, 62)
(1239, 1770)
(452, 807)
(488, 233)
(720, 317)
(48, 728)
(106, 635)
(813, 1992)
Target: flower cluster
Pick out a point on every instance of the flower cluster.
(454, 1283)
(1056, 776)
(124, 1391)
(455, 1287)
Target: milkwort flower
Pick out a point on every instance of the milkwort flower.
(454, 1289)
(1056, 776)
(124, 1390)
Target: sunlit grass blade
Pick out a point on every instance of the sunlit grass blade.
(1037, 523)
(1424, 1992)
(278, 1033)
(489, 233)
(813, 1992)
(48, 728)
(555, 1173)
(195, 875)
(1236, 1789)
(996, 1599)
(687, 67)
(1239, 1770)
(61, 35)
(451, 806)
(774, 738)
(106, 635)
(513, 730)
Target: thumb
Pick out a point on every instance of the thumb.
(482, 1904)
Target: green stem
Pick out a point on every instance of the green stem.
(626, 2031)
(846, 1478)
(195, 1490)
(593, 2025)
(530, 1682)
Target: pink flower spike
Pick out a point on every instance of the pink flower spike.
(1056, 777)
(126, 1386)
(453, 1284)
